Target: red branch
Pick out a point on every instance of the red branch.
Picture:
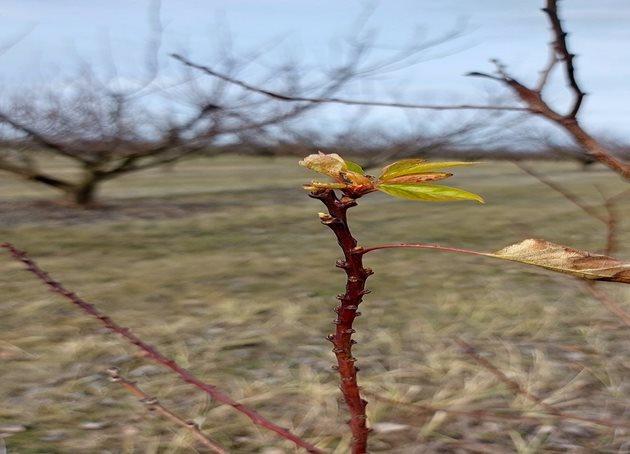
(154, 354)
(342, 340)
(422, 246)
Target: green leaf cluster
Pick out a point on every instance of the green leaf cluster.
(406, 179)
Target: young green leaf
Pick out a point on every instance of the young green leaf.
(428, 193)
(354, 167)
(566, 260)
(412, 166)
(423, 177)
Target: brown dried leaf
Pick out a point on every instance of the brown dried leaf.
(566, 260)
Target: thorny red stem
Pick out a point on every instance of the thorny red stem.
(342, 340)
(154, 354)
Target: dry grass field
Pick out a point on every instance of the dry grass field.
(223, 265)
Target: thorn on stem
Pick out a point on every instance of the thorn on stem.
(149, 401)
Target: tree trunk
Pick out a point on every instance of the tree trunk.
(83, 194)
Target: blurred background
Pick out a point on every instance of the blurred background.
(148, 160)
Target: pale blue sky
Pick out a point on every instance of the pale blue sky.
(58, 33)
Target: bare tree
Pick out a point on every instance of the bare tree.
(108, 132)
(108, 129)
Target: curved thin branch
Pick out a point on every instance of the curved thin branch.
(486, 415)
(518, 389)
(592, 212)
(608, 302)
(334, 100)
(41, 139)
(421, 246)
(153, 404)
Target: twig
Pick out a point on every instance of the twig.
(517, 389)
(610, 220)
(420, 246)
(335, 100)
(497, 416)
(609, 303)
(563, 192)
(611, 224)
(475, 414)
(546, 72)
(500, 375)
(152, 404)
(562, 51)
(154, 354)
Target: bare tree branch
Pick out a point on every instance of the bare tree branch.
(592, 212)
(153, 404)
(608, 302)
(518, 389)
(40, 138)
(335, 100)
(533, 99)
(31, 174)
(498, 416)
(562, 53)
